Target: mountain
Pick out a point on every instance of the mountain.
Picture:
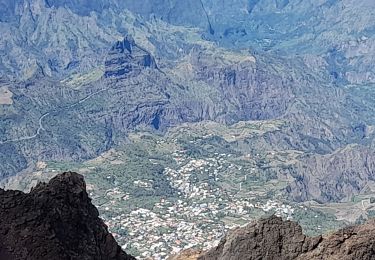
(54, 221)
(238, 106)
(273, 238)
(319, 30)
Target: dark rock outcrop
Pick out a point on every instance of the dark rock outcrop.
(274, 238)
(127, 58)
(54, 221)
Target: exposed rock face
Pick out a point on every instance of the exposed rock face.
(189, 254)
(347, 52)
(127, 57)
(274, 238)
(334, 177)
(267, 239)
(54, 221)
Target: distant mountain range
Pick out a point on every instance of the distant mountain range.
(285, 87)
(305, 62)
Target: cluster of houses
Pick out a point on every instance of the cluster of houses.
(198, 218)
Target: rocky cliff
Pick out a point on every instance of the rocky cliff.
(126, 57)
(54, 221)
(274, 238)
(334, 177)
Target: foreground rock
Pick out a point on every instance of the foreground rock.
(189, 254)
(54, 221)
(274, 238)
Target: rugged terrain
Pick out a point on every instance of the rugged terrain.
(237, 107)
(273, 238)
(54, 221)
(112, 67)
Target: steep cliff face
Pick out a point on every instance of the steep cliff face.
(36, 35)
(125, 58)
(274, 238)
(130, 91)
(346, 53)
(288, 27)
(334, 177)
(54, 221)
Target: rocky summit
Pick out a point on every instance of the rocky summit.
(126, 57)
(54, 221)
(273, 238)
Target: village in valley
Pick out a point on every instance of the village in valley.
(199, 216)
(162, 195)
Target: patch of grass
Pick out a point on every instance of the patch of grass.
(76, 81)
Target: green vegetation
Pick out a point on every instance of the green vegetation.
(76, 81)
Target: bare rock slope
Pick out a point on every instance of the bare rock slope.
(54, 221)
(274, 238)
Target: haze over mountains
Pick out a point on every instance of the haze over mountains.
(285, 87)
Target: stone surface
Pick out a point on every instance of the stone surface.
(273, 238)
(126, 58)
(54, 221)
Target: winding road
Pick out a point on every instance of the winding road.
(41, 128)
